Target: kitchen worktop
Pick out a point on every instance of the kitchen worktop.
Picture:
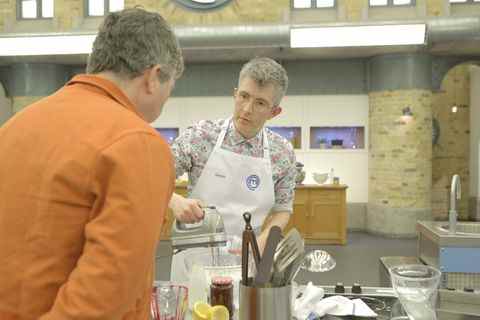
(182, 184)
(450, 309)
(319, 213)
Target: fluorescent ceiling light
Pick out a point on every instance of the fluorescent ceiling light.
(46, 45)
(357, 36)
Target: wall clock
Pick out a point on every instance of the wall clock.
(203, 5)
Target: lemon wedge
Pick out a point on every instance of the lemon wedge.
(219, 313)
(201, 311)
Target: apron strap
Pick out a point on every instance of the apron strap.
(223, 133)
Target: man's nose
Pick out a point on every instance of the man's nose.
(248, 106)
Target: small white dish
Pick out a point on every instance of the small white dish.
(320, 178)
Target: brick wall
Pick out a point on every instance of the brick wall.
(240, 11)
(399, 171)
(69, 14)
(400, 167)
(355, 10)
(436, 8)
(451, 155)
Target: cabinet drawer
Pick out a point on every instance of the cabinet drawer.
(325, 196)
(301, 196)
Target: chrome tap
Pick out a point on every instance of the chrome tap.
(455, 194)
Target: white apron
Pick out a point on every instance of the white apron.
(234, 184)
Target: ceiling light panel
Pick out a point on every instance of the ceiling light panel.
(357, 36)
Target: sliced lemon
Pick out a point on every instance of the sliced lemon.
(201, 311)
(219, 313)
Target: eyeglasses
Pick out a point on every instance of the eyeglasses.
(258, 105)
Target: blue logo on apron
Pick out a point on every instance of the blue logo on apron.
(253, 182)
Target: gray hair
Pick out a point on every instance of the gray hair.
(265, 71)
(132, 40)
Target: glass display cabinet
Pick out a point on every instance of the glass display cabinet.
(292, 134)
(169, 134)
(337, 137)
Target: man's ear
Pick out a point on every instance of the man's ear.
(152, 78)
(275, 112)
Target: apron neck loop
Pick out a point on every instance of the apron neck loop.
(223, 133)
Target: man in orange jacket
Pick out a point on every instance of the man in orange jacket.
(85, 182)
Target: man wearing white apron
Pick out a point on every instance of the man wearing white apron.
(236, 164)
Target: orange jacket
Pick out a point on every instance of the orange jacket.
(84, 188)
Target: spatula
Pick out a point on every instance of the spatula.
(288, 250)
(265, 267)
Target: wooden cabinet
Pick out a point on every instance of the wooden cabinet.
(320, 214)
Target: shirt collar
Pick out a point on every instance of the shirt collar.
(106, 87)
(237, 138)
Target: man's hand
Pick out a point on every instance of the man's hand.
(186, 210)
(279, 219)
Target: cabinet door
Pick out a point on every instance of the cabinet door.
(326, 221)
(300, 212)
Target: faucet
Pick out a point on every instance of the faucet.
(455, 194)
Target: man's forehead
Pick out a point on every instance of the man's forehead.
(264, 89)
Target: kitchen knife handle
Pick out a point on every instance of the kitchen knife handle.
(245, 241)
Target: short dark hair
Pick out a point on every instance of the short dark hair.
(132, 40)
(264, 71)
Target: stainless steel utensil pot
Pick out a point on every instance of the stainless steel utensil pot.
(265, 303)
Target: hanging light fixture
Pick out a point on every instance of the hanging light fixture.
(407, 112)
(407, 115)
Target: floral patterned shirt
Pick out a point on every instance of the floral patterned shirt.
(194, 146)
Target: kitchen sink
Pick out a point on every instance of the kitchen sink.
(457, 254)
(463, 227)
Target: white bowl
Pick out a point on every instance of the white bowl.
(320, 178)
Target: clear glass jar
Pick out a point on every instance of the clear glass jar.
(221, 293)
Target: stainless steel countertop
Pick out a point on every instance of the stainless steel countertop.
(453, 305)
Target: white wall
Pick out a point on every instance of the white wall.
(5, 106)
(351, 166)
(474, 130)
